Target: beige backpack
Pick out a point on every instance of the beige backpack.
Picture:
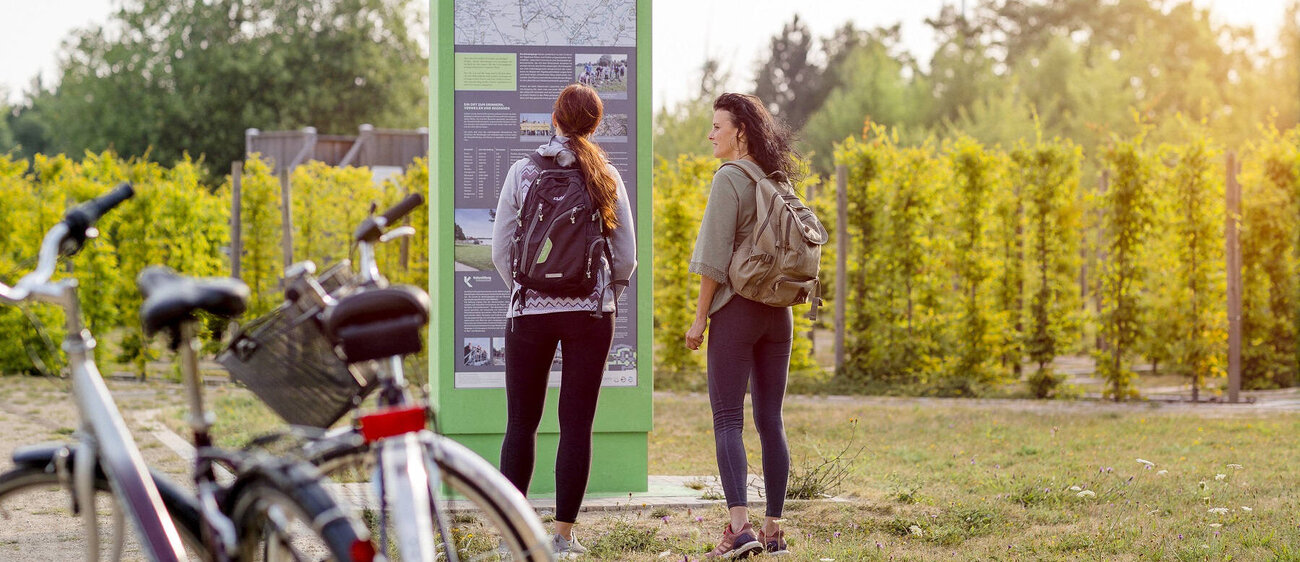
(778, 263)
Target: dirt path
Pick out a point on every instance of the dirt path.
(40, 525)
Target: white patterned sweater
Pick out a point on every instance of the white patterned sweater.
(622, 241)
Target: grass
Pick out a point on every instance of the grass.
(993, 481)
(476, 256)
(975, 480)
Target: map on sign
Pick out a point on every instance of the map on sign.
(546, 22)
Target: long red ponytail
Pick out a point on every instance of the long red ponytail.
(578, 111)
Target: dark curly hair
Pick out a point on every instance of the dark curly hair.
(770, 142)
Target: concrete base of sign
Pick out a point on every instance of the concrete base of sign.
(618, 462)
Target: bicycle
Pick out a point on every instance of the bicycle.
(245, 520)
(362, 329)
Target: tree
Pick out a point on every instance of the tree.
(961, 70)
(1049, 173)
(977, 175)
(684, 128)
(6, 136)
(875, 89)
(789, 82)
(1127, 207)
(165, 78)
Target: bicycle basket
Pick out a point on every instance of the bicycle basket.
(288, 363)
(337, 278)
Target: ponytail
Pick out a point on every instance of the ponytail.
(578, 111)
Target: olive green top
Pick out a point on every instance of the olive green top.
(729, 218)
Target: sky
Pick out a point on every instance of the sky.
(686, 33)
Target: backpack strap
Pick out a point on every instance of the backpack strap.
(544, 162)
(752, 170)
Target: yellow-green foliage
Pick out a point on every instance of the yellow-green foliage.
(262, 263)
(1270, 205)
(1128, 208)
(979, 181)
(1187, 318)
(680, 192)
(176, 220)
(1048, 174)
(172, 220)
(415, 270)
(898, 318)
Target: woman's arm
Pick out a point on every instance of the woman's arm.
(623, 239)
(695, 335)
(504, 227)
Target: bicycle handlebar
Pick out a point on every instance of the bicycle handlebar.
(65, 239)
(373, 227)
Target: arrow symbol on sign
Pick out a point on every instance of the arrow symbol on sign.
(467, 283)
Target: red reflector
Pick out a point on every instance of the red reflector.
(388, 423)
(362, 551)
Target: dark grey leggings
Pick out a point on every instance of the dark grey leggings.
(749, 346)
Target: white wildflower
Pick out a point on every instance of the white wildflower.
(1087, 494)
(1220, 477)
(1147, 462)
(915, 530)
(1215, 525)
(1219, 510)
(1246, 509)
(1234, 466)
(1162, 471)
(1075, 488)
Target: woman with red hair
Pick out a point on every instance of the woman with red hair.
(580, 322)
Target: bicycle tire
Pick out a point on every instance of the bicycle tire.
(33, 479)
(273, 489)
(470, 477)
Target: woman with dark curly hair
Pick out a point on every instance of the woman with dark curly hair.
(749, 345)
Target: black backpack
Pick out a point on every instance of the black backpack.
(559, 235)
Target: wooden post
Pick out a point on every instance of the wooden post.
(286, 218)
(1102, 184)
(841, 262)
(1083, 260)
(236, 222)
(1232, 253)
(404, 255)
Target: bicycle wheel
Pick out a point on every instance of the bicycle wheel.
(281, 511)
(489, 494)
(50, 530)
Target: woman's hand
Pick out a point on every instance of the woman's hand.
(695, 335)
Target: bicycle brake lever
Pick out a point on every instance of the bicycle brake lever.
(399, 232)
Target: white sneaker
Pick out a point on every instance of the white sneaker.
(567, 548)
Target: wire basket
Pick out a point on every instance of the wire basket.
(288, 363)
(337, 278)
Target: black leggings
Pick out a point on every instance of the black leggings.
(530, 347)
(749, 346)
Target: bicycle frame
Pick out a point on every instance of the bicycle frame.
(103, 433)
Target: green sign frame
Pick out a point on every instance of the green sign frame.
(476, 417)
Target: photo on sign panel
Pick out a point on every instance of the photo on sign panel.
(535, 127)
(607, 74)
(473, 249)
(477, 351)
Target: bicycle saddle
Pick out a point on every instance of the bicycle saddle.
(171, 298)
(378, 323)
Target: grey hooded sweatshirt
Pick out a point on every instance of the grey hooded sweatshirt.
(622, 241)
